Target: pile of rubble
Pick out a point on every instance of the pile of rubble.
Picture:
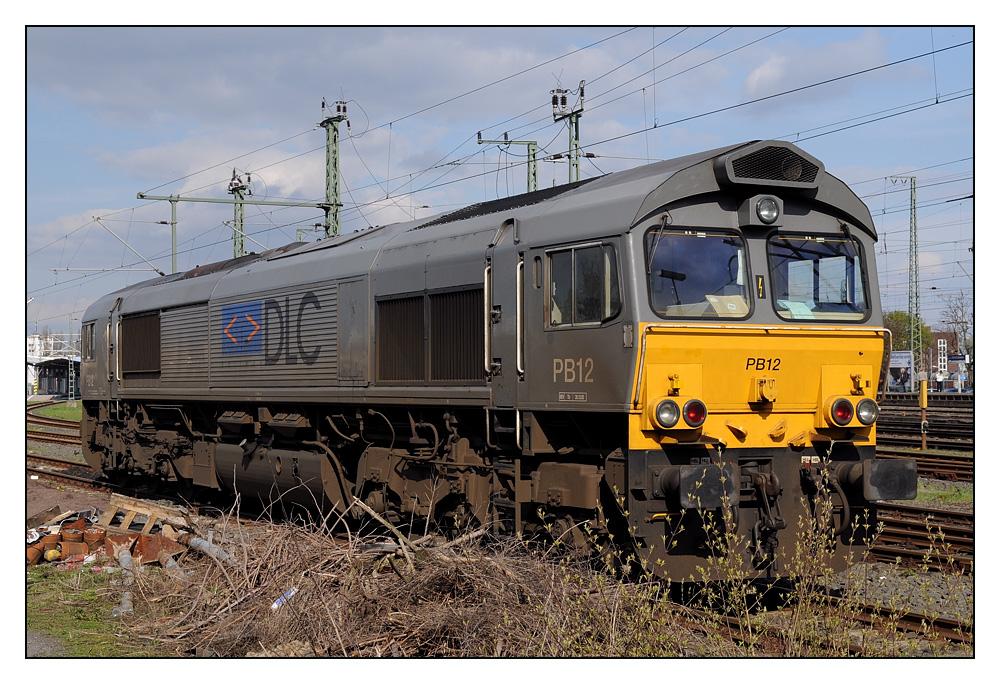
(127, 535)
(66, 538)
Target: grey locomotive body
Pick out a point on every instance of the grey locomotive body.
(499, 365)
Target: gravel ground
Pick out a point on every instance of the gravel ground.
(940, 594)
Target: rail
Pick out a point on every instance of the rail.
(918, 535)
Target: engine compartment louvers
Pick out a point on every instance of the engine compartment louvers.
(769, 163)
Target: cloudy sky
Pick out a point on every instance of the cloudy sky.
(112, 112)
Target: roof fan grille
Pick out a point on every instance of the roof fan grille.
(775, 164)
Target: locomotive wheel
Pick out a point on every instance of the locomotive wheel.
(455, 520)
(185, 489)
(119, 478)
(568, 534)
(149, 484)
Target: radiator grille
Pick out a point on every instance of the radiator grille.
(140, 344)
(775, 164)
(433, 338)
(185, 352)
(401, 340)
(456, 335)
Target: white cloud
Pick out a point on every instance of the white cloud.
(115, 111)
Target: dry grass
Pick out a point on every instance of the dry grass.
(468, 598)
(474, 597)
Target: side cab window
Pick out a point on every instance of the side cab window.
(87, 342)
(583, 286)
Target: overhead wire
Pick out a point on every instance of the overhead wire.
(402, 118)
(594, 80)
(910, 172)
(229, 161)
(888, 116)
(790, 91)
(863, 116)
(507, 78)
(641, 54)
(564, 124)
(684, 71)
(436, 184)
(556, 59)
(284, 160)
(774, 95)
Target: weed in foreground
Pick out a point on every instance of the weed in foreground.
(478, 597)
(74, 606)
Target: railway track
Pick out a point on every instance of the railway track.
(35, 405)
(70, 472)
(920, 535)
(52, 437)
(54, 423)
(936, 626)
(936, 465)
(913, 440)
(934, 399)
(50, 430)
(33, 418)
(949, 425)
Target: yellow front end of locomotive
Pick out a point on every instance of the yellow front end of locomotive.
(744, 386)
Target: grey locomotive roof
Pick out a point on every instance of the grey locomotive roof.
(596, 207)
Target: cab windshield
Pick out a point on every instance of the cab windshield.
(816, 277)
(696, 274)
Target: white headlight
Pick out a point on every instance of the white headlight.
(667, 413)
(767, 210)
(867, 411)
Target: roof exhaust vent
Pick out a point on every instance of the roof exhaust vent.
(770, 162)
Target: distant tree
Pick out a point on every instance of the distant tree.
(47, 341)
(957, 317)
(898, 322)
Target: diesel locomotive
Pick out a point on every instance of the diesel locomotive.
(625, 355)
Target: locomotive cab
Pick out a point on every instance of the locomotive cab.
(762, 317)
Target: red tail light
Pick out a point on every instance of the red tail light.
(842, 412)
(695, 413)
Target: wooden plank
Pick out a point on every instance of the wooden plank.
(150, 520)
(109, 514)
(44, 518)
(129, 517)
(143, 507)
